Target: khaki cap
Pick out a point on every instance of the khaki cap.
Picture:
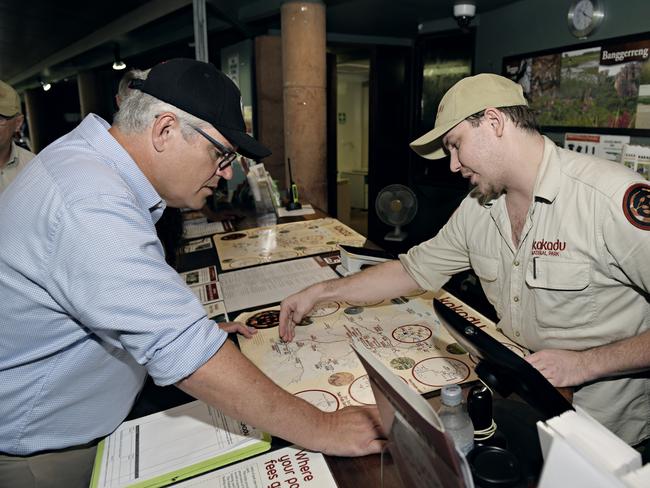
(9, 100)
(467, 97)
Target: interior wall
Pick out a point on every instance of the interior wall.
(536, 25)
(351, 122)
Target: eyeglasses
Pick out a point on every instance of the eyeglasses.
(227, 156)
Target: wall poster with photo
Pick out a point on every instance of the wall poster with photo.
(602, 86)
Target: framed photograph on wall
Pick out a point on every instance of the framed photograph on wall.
(602, 86)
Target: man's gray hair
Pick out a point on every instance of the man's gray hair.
(123, 88)
(138, 110)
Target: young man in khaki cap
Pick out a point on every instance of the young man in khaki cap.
(559, 240)
(12, 157)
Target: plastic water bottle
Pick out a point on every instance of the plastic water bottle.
(455, 418)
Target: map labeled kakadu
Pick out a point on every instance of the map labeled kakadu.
(284, 241)
(320, 366)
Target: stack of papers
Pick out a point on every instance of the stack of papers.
(205, 285)
(173, 445)
(580, 452)
(201, 229)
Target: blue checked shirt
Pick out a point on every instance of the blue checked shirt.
(88, 304)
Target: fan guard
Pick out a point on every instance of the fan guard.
(396, 205)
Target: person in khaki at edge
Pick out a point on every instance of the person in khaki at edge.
(90, 306)
(560, 242)
(12, 157)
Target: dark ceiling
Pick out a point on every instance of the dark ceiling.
(54, 39)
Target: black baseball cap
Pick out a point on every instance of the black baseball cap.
(203, 91)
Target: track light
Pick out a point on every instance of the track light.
(118, 64)
(46, 86)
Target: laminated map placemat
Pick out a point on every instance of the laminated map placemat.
(283, 241)
(320, 366)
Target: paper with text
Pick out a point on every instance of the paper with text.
(271, 283)
(168, 446)
(286, 467)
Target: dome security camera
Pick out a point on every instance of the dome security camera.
(464, 13)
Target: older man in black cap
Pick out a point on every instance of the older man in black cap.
(12, 157)
(94, 308)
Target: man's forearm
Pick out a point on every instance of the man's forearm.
(573, 368)
(385, 280)
(625, 356)
(231, 383)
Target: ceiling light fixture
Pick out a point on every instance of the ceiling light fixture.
(46, 86)
(118, 64)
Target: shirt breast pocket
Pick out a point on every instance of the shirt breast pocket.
(561, 292)
(487, 270)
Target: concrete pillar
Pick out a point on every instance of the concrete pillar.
(88, 93)
(304, 93)
(33, 106)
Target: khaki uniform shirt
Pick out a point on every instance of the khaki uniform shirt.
(17, 160)
(579, 279)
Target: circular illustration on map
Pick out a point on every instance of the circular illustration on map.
(415, 293)
(305, 321)
(324, 309)
(364, 304)
(241, 263)
(412, 333)
(440, 371)
(264, 320)
(402, 363)
(321, 399)
(317, 249)
(353, 310)
(233, 237)
(455, 348)
(340, 379)
(361, 392)
(399, 300)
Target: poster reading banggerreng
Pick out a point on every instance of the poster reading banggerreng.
(605, 86)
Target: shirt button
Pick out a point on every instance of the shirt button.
(516, 299)
(517, 334)
(516, 263)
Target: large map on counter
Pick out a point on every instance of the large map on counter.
(284, 241)
(320, 366)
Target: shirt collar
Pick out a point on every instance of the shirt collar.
(548, 180)
(13, 156)
(94, 130)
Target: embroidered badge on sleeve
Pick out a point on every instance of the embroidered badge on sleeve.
(636, 205)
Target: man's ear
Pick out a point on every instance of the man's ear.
(162, 131)
(496, 119)
(18, 123)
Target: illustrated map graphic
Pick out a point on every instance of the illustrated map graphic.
(284, 241)
(320, 366)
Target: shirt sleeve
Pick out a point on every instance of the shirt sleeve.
(108, 271)
(626, 232)
(432, 263)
